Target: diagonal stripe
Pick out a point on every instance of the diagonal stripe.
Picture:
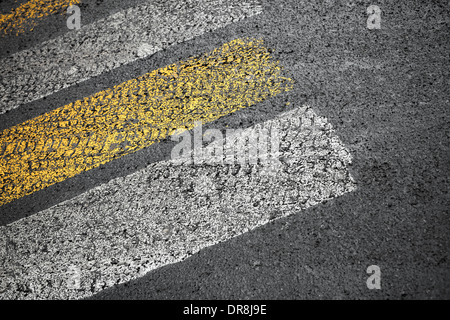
(135, 114)
(106, 44)
(167, 212)
(24, 17)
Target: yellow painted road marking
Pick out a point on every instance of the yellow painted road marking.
(24, 17)
(135, 114)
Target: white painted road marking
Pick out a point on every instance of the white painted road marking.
(106, 44)
(166, 212)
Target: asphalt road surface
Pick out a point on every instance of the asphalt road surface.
(104, 211)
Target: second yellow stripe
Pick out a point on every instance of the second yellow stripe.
(135, 114)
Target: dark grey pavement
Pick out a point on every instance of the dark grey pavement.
(386, 93)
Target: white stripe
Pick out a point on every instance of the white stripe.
(166, 212)
(109, 43)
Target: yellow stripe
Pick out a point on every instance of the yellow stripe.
(24, 17)
(135, 114)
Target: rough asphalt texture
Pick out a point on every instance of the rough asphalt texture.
(386, 92)
(99, 47)
(170, 210)
(134, 115)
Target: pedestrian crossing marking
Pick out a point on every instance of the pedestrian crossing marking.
(135, 114)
